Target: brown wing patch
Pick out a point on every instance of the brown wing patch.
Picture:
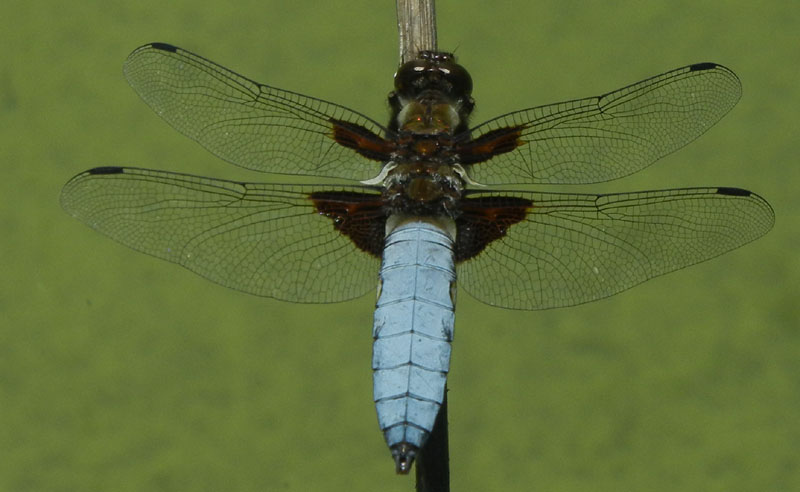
(361, 140)
(484, 220)
(490, 144)
(359, 216)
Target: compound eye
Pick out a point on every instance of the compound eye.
(431, 70)
(459, 79)
(408, 74)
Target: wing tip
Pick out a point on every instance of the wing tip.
(697, 67)
(163, 47)
(106, 170)
(733, 191)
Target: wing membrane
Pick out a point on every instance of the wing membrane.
(576, 248)
(246, 123)
(264, 239)
(606, 137)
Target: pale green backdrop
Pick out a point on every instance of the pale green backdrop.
(119, 372)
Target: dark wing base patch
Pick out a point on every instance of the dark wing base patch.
(359, 216)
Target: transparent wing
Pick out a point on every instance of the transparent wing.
(603, 138)
(243, 122)
(264, 239)
(575, 248)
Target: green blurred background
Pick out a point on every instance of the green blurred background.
(119, 372)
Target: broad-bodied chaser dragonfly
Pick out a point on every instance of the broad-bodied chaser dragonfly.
(423, 213)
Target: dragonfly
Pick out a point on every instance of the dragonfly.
(428, 199)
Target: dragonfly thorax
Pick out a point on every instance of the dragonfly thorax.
(424, 188)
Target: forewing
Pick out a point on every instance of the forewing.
(555, 250)
(250, 124)
(602, 138)
(264, 239)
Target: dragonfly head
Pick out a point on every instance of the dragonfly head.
(433, 84)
